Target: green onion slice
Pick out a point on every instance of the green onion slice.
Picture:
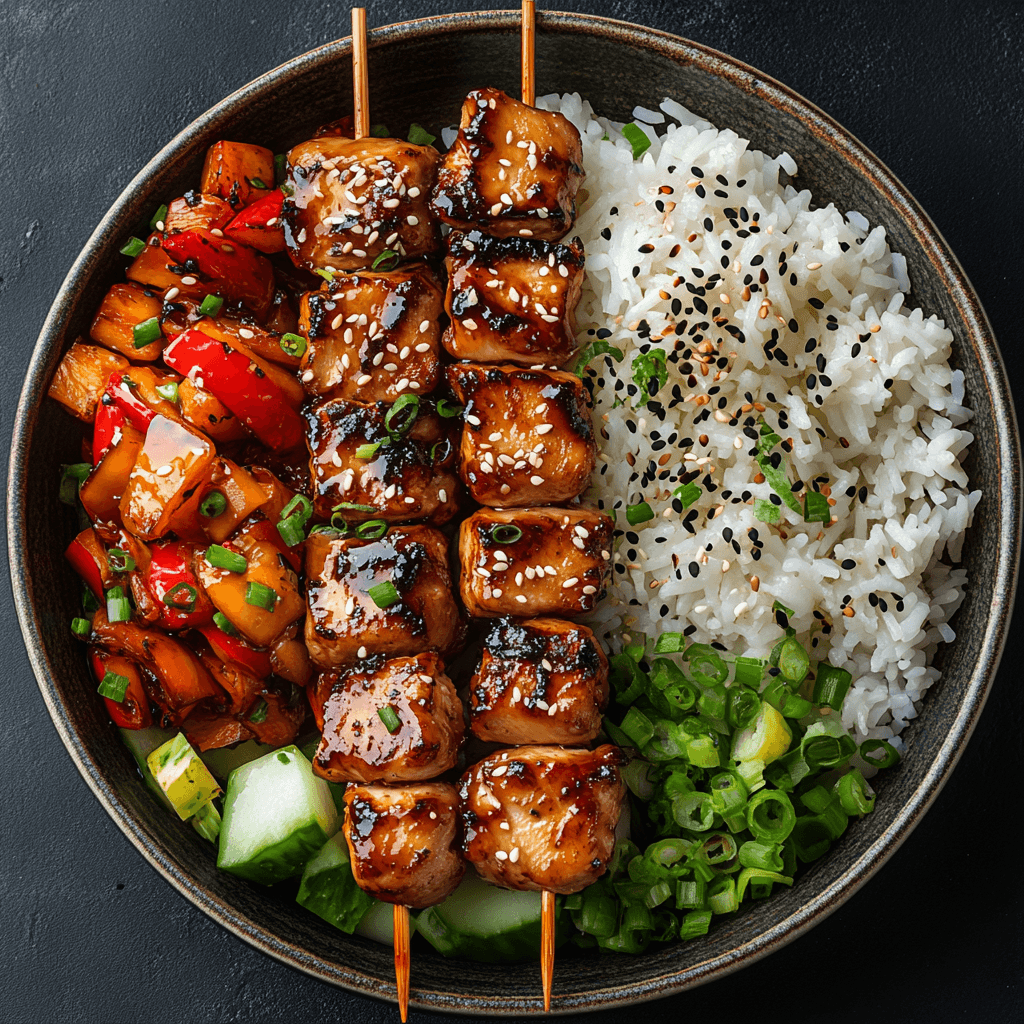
(182, 597)
(448, 410)
(293, 345)
(831, 686)
(222, 558)
(81, 627)
(506, 533)
(325, 274)
(146, 333)
(793, 661)
(119, 608)
(637, 138)
(770, 816)
(211, 305)
(386, 261)
(113, 687)
(260, 596)
(372, 529)
(280, 167)
(384, 595)
(816, 508)
(223, 623)
(419, 136)
(879, 754)
(595, 348)
(168, 392)
(259, 712)
(257, 182)
(369, 451)
(687, 494)
(119, 560)
(766, 512)
(402, 415)
(351, 506)
(158, 217)
(391, 720)
(71, 479)
(640, 513)
(299, 506)
(133, 246)
(213, 505)
(292, 530)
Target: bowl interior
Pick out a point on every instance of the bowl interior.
(420, 72)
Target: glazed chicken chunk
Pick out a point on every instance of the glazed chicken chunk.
(386, 596)
(542, 817)
(397, 463)
(534, 561)
(351, 199)
(403, 841)
(540, 681)
(527, 438)
(418, 738)
(513, 170)
(512, 299)
(372, 336)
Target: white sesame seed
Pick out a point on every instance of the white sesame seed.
(520, 598)
(424, 326)
(362, 652)
(469, 324)
(475, 420)
(442, 494)
(499, 771)
(412, 221)
(500, 854)
(165, 471)
(517, 696)
(589, 590)
(364, 379)
(495, 209)
(171, 294)
(497, 592)
(545, 428)
(570, 582)
(503, 825)
(536, 480)
(188, 280)
(508, 139)
(433, 815)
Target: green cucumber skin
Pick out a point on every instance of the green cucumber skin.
(142, 743)
(522, 943)
(284, 859)
(329, 890)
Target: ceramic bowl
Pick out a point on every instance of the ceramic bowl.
(437, 61)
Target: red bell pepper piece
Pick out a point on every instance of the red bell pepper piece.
(170, 566)
(106, 429)
(133, 712)
(259, 224)
(233, 648)
(239, 384)
(89, 559)
(228, 268)
(138, 414)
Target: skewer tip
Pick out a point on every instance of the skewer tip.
(360, 85)
(529, 34)
(402, 959)
(547, 945)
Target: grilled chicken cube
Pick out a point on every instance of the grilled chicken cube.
(534, 561)
(541, 681)
(350, 615)
(512, 299)
(352, 199)
(403, 841)
(527, 438)
(420, 742)
(542, 817)
(373, 336)
(513, 170)
(407, 476)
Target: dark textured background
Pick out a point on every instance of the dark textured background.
(88, 92)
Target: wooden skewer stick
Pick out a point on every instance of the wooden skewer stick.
(529, 85)
(401, 921)
(360, 82)
(547, 944)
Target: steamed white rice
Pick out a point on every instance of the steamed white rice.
(863, 386)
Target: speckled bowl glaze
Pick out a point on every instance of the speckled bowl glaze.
(616, 66)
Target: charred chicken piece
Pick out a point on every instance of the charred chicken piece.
(514, 170)
(534, 561)
(542, 817)
(346, 623)
(403, 841)
(527, 438)
(360, 455)
(373, 336)
(389, 720)
(541, 681)
(512, 299)
(354, 198)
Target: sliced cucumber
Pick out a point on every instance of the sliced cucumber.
(142, 743)
(379, 923)
(182, 776)
(277, 814)
(329, 890)
(222, 761)
(481, 922)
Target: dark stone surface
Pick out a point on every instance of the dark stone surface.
(88, 93)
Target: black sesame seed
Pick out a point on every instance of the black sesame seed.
(694, 568)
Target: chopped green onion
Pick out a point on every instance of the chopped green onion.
(223, 623)
(696, 922)
(71, 479)
(113, 687)
(749, 672)
(259, 712)
(419, 136)
(706, 665)
(325, 274)
(292, 530)
(778, 606)
(650, 372)
(280, 167)
(207, 821)
(257, 182)
(119, 608)
(89, 602)
(447, 409)
(595, 348)
(81, 627)
(506, 533)
(293, 344)
(213, 505)
(694, 811)
(158, 217)
(299, 504)
(811, 839)
(287, 189)
(390, 719)
(854, 795)
(691, 894)
(342, 506)
(766, 856)
(133, 246)
(372, 529)
(639, 513)
(384, 595)
(402, 415)
(168, 392)
(793, 661)
(816, 508)
(599, 915)
(770, 816)
(775, 475)
(637, 726)
(743, 706)
(670, 643)
(222, 558)
(119, 560)
(386, 261)
(831, 686)
(687, 494)
(759, 881)
(721, 896)
(182, 597)
(379, 131)
(766, 512)
(260, 596)
(369, 451)
(639, 140)
(870, 749)
(211, 305)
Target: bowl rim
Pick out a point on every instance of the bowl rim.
(1007, 454)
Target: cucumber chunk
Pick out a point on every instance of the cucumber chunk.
(222, 761)
(142, 743)
(379, 923)
(482, 922)
(182, 776)
(277, 814)
(329, 890)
